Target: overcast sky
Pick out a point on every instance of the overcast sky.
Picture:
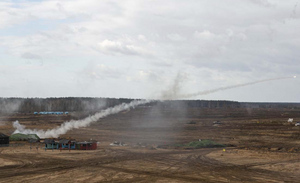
(137, 48)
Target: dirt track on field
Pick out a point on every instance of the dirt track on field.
(263, 148)
(122, 164)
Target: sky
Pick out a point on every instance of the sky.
(139, 49)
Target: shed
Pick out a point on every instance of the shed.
(51, 144)
(86, 145)
(67, 144)
(4, 140)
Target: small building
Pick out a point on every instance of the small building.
(51, 144)
(4, 140)
(67, 144)
(86, 145)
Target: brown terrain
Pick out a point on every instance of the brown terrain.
(261, 147)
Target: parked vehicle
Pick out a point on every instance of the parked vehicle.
(297, 124)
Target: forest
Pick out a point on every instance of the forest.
(30, 105)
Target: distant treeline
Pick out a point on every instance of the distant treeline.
(25, 105)
(30, 105)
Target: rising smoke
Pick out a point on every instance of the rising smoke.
(73, 124)
(174, 91)
(9, 105)
(169, 95)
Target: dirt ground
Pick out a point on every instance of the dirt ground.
(261, 147)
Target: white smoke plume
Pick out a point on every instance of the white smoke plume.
(206, 92)
(73, 124)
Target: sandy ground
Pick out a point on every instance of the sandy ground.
(262, 147)
(129, 164)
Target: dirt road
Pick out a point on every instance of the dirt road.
(127, 164)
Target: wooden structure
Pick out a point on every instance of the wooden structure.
(51, 144)
(86, 145)
(67, 144)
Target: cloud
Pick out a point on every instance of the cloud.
(97, 71)
(10, 15)
(175, 37)
(142, 37)
(116, 47)
(28, 55)
(265, 3)
(135, 43)
(204, 34)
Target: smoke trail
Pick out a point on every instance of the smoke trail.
(174, 90)
(65, 127)
(230, 87)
